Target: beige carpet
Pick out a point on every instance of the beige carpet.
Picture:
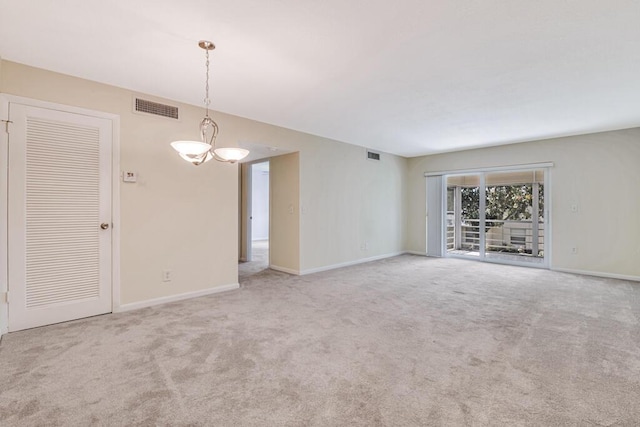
(259, 260)
(408, 341)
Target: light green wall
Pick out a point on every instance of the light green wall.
(162, 215)
(284, 230)
(353, 207)
(600, 173)
(185, 218)
(4, 154)
(350, 208)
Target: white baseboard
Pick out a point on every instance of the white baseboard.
(284, 270)
(349, 263)
(416, 253)
(598, 274)
(173, 298)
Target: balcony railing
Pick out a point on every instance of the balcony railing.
(516, 237)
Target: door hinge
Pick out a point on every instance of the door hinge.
(6, 297)
(6, 125)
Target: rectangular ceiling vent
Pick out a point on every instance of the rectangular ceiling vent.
(372, 155)
(156, 108)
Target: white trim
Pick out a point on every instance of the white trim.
(417, 253)
(115, 214)
(5, 100)
(284, 270)
(598, 274)
(248, 213)
(173, 298)
(4, 242)
(492, 169)
(548, 220)
(57, 107)
(499, 261)
(350, 263)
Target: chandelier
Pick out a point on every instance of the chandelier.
(198, 152)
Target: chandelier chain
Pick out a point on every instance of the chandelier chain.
(198, 152)
(207, 100)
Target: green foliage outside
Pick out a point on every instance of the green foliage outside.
(504, 202)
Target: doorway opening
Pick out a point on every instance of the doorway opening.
(257, 222)
(260, 213)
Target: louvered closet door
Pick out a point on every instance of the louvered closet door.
(59, 195)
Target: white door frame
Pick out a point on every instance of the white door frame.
(5, 99)
(245, 227)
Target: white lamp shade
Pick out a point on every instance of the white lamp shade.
(190, 148)
(231, 154)
(197, 159)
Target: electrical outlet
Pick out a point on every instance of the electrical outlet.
(166, 275)
(574, 250)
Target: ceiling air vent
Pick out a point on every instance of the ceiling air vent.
(372, 155)
(156, 108)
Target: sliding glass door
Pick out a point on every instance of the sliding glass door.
(463, 215)
(514, 216)
(497, 216)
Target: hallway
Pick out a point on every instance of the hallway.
(259, 260)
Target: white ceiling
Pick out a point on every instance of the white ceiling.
(409, 77)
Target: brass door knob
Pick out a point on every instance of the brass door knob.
(104, 225)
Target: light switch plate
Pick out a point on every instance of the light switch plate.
(129, 176)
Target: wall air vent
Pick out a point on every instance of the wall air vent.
(372, 155)
(156, 108)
